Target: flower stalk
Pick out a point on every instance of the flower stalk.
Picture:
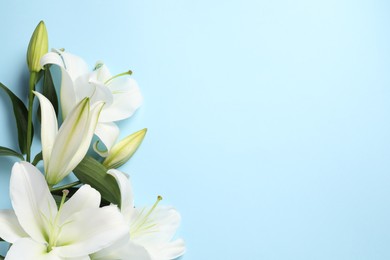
(33, 81)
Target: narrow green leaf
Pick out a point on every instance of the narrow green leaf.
(37, 159)
(4, 151)
(48, 88)
(21, 114)
(92, 172)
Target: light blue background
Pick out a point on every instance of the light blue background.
(269, 121)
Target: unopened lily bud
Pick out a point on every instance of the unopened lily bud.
(124, 150)
(38, 46)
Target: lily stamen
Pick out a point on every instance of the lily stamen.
(55, 229)
(159, 198)
(139, 224)
(64, 194)
(129, 72)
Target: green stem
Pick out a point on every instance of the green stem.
(66, 186)
(33, 81)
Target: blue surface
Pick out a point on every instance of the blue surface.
(269, 121)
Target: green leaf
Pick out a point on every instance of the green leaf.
(21, 114)
(92, 172)
(48, 89)
(4, 151)
(37, 159)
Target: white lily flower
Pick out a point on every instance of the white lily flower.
(120, 94)
(38, 229)
(151, 230)
(63, 149)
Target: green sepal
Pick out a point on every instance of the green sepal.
(4, 151)
(21, 114)
(92, 172)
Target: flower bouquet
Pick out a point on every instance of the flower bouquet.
(94, 216)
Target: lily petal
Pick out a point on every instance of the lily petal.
(165, 221)
(113, 251)
(128, 251)
(10, 229)
(31, 200)
(85, 142)
(85, 197)
(102, 72)
(49, 128)
(127, 99)
(72, 67)
(167, 251)
(127, 199)
(28, 249)
(134, 251)
(101, 91)
(100, 228)
(108, 133)
(67, 94)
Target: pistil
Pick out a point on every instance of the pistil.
(55, 230)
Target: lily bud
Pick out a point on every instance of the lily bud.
(64, 148)
(124, 150)
(38, 46)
